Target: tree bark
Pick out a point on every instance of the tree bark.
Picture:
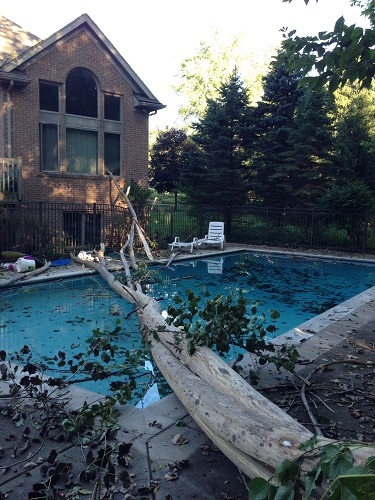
(135, 223)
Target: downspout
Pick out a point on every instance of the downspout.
(9, 119)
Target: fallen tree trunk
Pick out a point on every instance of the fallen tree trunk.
(254, 433)
(135, 223)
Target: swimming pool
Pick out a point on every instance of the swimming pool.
(298, 287)
(61, 315)
(56, 315)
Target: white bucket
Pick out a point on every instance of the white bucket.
(23, 265)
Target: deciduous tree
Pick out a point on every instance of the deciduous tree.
(355, 141)
(202, 74)
(344, 55)
(167, 159)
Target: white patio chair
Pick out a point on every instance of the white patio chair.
(215, 235)
(183, 245)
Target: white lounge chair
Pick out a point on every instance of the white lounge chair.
(183, 245)
(215, 235)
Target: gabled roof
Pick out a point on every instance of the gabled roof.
(27, 48)
(13, 40)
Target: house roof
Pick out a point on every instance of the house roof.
(21, 48)
(13, 40)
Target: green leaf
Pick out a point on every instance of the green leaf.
(105, 357)
(285, 492)
(68, 426)
(357, 488)
(356, 33)
(308, 445)
(328, 453)
(339, 25)
(286, 471)
(260, 489)
(271, 328)
(274, 314)
(335, 493)
(334, 83)
(339, 465)
(313, 479)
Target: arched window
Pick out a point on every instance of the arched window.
(88, 141)
(81, 94)
(81, 139)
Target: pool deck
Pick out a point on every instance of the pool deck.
(194, 469)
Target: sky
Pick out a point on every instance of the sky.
(155, 36)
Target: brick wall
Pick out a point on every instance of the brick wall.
(80, 50)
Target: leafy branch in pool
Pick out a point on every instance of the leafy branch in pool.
(38, 407)
(102, 358)
(220, 322)
(30, 381)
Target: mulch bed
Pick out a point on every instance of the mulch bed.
(337, 397)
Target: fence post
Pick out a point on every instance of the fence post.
(40, 227)
(172, 222)
(94, 226)
(19, 178)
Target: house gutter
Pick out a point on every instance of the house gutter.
(9, 119)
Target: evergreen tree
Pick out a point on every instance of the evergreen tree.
(310, 157)
(273, 123)
(293, 140)
(216, 172)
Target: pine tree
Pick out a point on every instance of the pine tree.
(273, 124)
(293, 140)
(216, 173)
(310, 157)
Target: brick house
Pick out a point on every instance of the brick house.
(72, 110)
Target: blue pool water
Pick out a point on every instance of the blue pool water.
(61, 315)
(54, 316)
(299, 288)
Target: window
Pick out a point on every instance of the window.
(81, 94)
(112, 153)
(82, 229)
(81, 151)
(48, 96)
(49, 147)
(82, 130)
(112, 107)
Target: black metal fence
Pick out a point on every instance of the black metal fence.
(295, 228)
(55, 229)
